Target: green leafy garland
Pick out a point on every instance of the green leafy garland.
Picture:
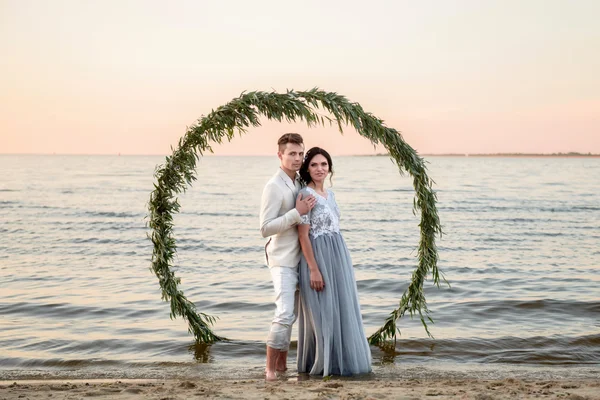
(238, 115)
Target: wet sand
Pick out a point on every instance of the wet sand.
(292, 388)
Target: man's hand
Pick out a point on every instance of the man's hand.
(304, 205)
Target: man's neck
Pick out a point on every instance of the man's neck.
(290, 173)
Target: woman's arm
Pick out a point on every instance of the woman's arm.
(316, 279)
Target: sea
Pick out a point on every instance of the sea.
(520, 251)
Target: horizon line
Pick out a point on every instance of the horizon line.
(465, 154)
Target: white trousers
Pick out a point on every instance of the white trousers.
(285, 282)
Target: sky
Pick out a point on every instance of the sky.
(128, 77)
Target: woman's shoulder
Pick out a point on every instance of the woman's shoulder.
(306, 191)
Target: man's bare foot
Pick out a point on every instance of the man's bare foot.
(270, 376)
(281, 363)
(278, 370)
(271, 367)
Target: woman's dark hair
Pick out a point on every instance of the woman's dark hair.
(308, 156)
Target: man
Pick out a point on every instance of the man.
(280, 211)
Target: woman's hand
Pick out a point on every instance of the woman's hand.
(316, 280)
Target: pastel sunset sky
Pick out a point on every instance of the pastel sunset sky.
(477, 76)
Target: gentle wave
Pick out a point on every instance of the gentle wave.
(111, 214)
(490, 308)
(66, 310)
(555, 350)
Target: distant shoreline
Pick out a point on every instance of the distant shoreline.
(572, 155)
(497, 155)
(523, 155)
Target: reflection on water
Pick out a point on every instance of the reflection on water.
(201, 352)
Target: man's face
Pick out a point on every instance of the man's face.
(291, 156)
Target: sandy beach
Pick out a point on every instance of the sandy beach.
(292, 388)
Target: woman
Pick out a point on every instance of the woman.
(331, 338)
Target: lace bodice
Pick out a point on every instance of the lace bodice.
(324, 218)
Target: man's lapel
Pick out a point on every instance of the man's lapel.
(286, 179)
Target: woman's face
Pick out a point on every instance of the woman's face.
(318, 168)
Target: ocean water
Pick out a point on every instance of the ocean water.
(521, 251)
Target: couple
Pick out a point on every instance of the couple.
(306, 249)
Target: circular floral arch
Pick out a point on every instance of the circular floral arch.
(243, 112)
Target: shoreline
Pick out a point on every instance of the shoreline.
(254, 370)
(293, 387)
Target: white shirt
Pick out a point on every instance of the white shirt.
(278, 218)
